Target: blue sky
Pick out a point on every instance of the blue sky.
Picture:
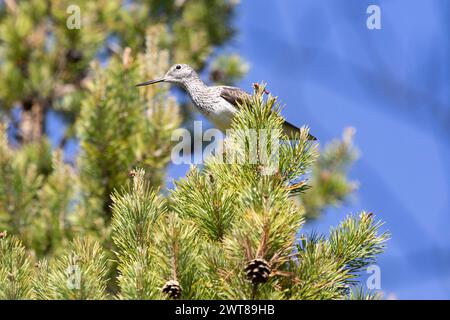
(393, 86)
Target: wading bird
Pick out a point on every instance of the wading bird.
(217, 103)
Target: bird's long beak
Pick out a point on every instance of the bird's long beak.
(146, 83)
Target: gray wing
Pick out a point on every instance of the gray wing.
(234, 95)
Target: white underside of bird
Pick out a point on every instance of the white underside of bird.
(223, 114)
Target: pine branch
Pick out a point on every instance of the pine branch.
(207, 201)
(355, 242)
(318, 275)
(135, 214)
(136, 279)
(78, 274)
(41, 280)
(51, 226)
(359, 293)
(15, 269)
(177, 252)
(326, 268)
(19, 185)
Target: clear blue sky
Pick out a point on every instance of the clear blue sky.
(393, 86)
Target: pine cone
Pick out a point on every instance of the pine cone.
(258, 271)
(172, 288)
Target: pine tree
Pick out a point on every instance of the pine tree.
(105, 226)
(227, 231)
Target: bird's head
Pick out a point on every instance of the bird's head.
(178, 73)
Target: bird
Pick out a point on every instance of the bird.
(218, 104)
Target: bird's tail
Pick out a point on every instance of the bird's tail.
(290, 130)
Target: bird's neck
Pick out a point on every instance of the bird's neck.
(200, 94)
(195, 86)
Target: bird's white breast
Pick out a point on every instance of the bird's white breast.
(222, 114)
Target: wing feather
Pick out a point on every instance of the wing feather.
(234, 95)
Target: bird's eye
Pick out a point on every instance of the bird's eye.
(178, 67)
